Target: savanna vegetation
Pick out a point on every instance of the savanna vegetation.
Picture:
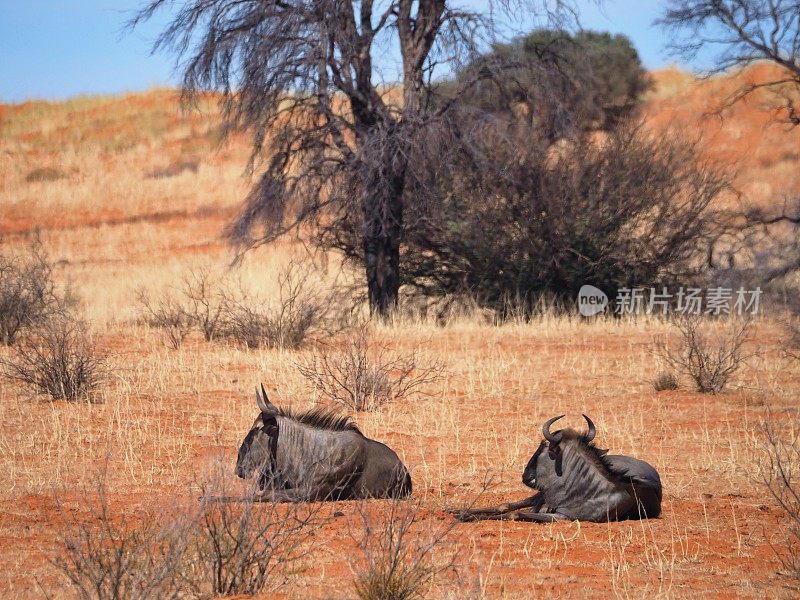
(133, 331)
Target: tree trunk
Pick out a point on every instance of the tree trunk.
(383, 228)
(383, 201)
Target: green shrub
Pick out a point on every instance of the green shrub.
(567, 82)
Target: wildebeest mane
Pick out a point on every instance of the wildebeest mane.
(322, 418)
(589, 450)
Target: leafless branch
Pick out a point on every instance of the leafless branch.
(367, 373)
(300, 78)
(709, 359)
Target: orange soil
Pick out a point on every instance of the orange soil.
(747, 138)
(167, 416)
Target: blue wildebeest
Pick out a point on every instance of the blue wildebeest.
(316, 455)
(578, 481)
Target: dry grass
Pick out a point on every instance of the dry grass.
(165, 416)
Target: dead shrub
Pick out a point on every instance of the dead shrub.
(241, 548)
(300, 310)
(779, 472)
(28, 294)
(174, 169)
(665, 381)
(219, 549)
(249, 323)
(398, 559)
(367, 373)
(110, 558)
(166, 314)
(198, 302)
(45, 174)
(629, 211)
(791, 337)
(205, 302)
(59, 359)
(708, 358)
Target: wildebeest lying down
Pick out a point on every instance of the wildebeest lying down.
(578, 481)
(316, 455)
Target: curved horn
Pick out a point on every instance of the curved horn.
(553, 438)
(263, 401)
(592, 431)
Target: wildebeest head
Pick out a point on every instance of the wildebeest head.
(546, 465)
(258, 451)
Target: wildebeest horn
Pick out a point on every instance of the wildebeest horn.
(553, 438)
(592, 431)
(263, 401)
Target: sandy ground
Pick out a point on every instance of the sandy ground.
(165, 418)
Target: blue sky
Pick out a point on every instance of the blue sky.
(57, 49)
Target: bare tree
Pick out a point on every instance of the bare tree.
(304, 79)
(745, 31)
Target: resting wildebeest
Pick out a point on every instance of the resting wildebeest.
(578, 481)
(317, 455)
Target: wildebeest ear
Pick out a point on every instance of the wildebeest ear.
(602, 452)
(266, 407)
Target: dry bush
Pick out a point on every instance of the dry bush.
(199, 302)
(45, 174)
(110, 558)
(791, 331)
(59, 359)
(249, 322)
(792, 340)
(208, 303)
(205, 302)
(300, 310)
(174, 169)
(665, 381)
(367, 373)
(709, 358)
(780, 472)
(222, 548)
(620, 211)
(166, 314)
(28, 293)
(398, 559)
(245, 547)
